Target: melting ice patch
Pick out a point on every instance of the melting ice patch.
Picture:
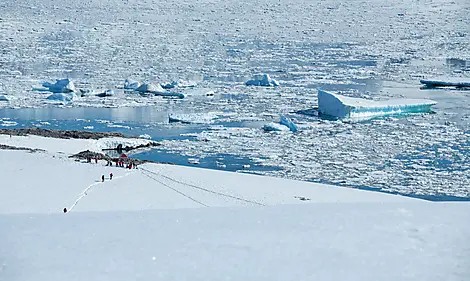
(355, 108)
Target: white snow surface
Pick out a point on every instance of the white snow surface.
(346, 107)
(139, 225)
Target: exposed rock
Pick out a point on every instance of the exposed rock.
(8, 147)
(61, 134)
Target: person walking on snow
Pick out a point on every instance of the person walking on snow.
(111, 176)
(102, 178)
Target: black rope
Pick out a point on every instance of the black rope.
(204, 189)
(174, 189)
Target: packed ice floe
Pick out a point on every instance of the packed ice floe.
(447, 82)
(355, 108)
(263, 80)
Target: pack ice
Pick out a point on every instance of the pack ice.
(262, 80)
(355, 108)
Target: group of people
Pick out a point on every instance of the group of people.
(110, 177)
(121, 163)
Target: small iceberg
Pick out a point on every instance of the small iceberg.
(355, 108)
(157, 90)
(107, 93)
(285, 124)
(288, 123)
(262, 80)
(275, 127)
(131, 84)
(60, 86)
(446, 82)
(192, 118)
(150, 88)
(62, 97)
(178, 84)
(4, 98)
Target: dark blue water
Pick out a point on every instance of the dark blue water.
(134, 121)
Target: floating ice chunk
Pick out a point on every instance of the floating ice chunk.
(170, 94)
(194, 161)
(107, 93)
(275, 127)
(8, 123)
(131, 84)
(60, 86)
(64, 97)
(262, 80)
(150, 88)
(178, 84)
(287, 122)
(447, 82)
(4, 98)
(192, 118)
(355, 108)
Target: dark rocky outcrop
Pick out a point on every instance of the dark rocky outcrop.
(9, 147)
(61, 134)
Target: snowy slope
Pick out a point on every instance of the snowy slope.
(143, 225)
(368, 241)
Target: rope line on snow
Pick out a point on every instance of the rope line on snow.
(174, 189)
(203, 189)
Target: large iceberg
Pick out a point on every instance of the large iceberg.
(262, 80)
(354, 108)
(60, 86)
(446, 82)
